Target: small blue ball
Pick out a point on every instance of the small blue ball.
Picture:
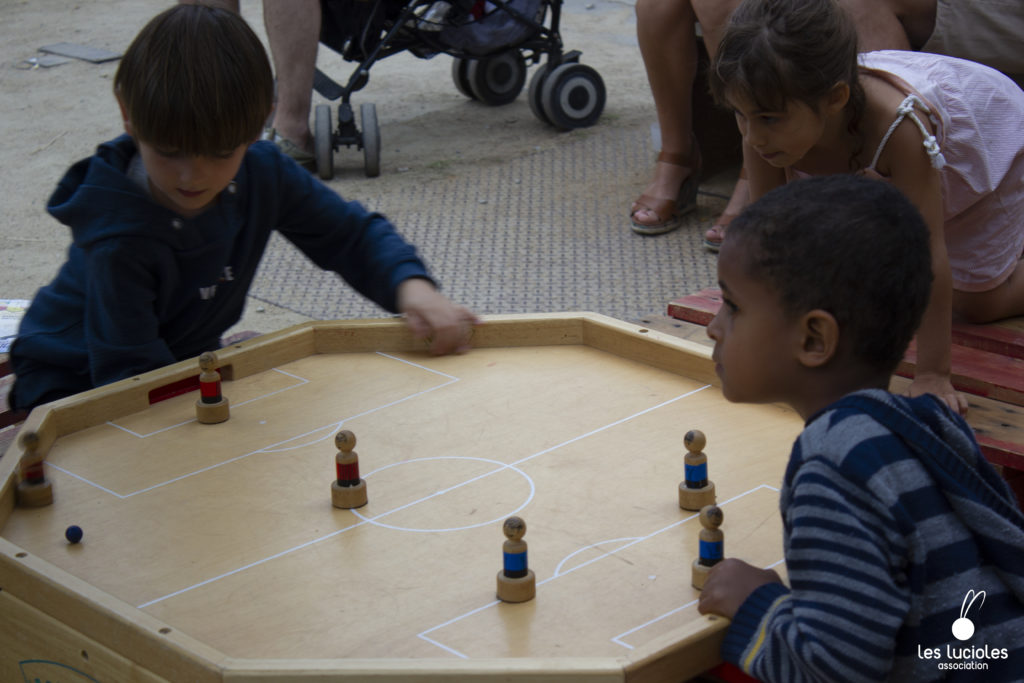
(73, 534)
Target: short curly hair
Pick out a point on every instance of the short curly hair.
(852, 246)
(196, 79)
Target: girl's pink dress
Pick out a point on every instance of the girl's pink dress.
(978, 147)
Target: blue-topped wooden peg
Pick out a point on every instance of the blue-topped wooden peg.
(696, 490)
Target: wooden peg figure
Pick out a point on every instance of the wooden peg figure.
(348, 490)
(712, 544)
(516, 581)
(696, 490)
(212, 407)
(34, 489)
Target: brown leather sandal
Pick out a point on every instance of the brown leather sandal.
(671, 211)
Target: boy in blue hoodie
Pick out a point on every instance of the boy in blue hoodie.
(904, 548)
(169, 221)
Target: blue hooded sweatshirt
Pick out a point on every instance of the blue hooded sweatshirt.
(143, 287)
(905, 555)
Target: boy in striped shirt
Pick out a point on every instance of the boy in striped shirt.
(904, 548)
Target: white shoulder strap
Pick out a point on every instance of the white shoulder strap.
(931, 145)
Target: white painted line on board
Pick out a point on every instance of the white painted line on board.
(501, 467)
(264, 560)
(273, 448)
(612, 424)
(558, 574)
(302, 380)
(367, 520)
(618, 639)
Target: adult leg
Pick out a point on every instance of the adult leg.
(668, 46)
(293, 31)
(713, 16)
(878, 23)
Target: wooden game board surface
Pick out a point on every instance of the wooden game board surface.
(224, 535)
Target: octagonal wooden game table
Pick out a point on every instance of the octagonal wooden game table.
(212, 552)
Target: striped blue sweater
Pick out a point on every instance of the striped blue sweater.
(891, 518)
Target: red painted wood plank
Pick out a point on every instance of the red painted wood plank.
(10, 417)
(697, 308)
(182, 386)
(7, 416)
(1003, 453)
(995, 338)
(1015, 478)
(978, 372)
(727, 673)
(173, 389)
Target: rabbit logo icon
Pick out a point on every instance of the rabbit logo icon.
(963, 628)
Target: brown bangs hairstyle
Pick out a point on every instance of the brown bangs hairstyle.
(196, 80)
(777, 51)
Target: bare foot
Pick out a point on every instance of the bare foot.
(737, 202)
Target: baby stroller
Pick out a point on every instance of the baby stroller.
(492, 41)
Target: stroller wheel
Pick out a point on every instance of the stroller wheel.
(460, 75)
(498, 79)
(573, 96)
(371, 139)
(536, 88)
(323, 141)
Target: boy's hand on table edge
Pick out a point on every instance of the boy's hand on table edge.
(430, 315)
(729, 584)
